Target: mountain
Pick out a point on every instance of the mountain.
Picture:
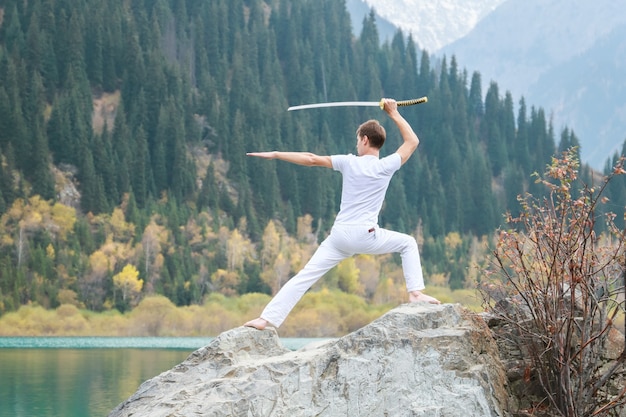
(360, 10)
(563, 56)
(434, 23)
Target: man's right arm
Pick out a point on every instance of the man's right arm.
(299, 158)
(411, 141)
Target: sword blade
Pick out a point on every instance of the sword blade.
(380, 104)
(336, 104)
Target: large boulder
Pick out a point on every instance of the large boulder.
(416, 360)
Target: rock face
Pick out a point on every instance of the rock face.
(416, 360)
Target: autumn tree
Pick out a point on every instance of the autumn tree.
(154, 238)
(236, 248)
(63, 218)
(91, 284)
(150, 317)
(369, 273)
(127, 281)
(271, 244)
(348, 277)
(276, 274)
(225, 282)
(275, 265)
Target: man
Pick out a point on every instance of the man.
(355, 231)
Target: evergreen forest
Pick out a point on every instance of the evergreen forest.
(124, 127)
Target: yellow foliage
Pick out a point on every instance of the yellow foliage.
(329, 314)
(99, 262)
(438, 279)
(469, 298)
(154, 240)
(348, 274)
(150, 317)
(128, 281)
(304, 229)
(297, 257)
(68, 297)
(122, 230)
(65, 218)
(7, 240)
(66, 310)
(369, 273)
(71, 321)
(117, 252)
(319, 323)
(50, 253)
(453, 240)
(252, 303)
(271, 244)
(109, 323)
(276, 274)
(194, 233)
(323, 313)
(217, 319)
(30, 320)
(16, 211)
(225, 281)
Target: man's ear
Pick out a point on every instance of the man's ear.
(366, 140)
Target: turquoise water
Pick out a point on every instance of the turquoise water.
(85, 376)
(185, 343)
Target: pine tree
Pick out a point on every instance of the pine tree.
(521, 145)
(493, 130)
(141, 168)
(475, 102)
(104, 163)
(207, 197)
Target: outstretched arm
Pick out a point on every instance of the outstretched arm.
(300, 158)
(411, 141)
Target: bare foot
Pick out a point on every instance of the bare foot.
(420, 297)
(258, 324)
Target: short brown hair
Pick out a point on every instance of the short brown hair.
(374, 132)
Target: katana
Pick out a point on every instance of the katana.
(380, 104)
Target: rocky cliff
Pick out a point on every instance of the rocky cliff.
(416, 360)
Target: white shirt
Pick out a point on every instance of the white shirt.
(365, 182)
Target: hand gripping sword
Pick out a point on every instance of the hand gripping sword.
(380, 104)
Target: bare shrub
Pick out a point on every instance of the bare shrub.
(558, 287)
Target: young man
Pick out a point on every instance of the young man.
(355, 231)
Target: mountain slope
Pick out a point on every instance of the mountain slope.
(522, 42)
(433, 23)
(360, 10)
(587, 92)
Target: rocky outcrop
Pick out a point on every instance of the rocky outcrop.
(416, 360)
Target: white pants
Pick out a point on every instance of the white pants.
(343, 242)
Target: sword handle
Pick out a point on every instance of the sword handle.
(406, 102)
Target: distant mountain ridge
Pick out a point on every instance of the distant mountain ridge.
(434, 23)
(588, 93)
(566, 56)
(359, 10)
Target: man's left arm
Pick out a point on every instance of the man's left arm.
(300, 158)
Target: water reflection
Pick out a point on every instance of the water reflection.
(76, 382)
(50, 377)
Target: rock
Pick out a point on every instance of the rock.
(416, 360)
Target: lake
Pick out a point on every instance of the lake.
(85, 376)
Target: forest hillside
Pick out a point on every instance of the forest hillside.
(124, 128)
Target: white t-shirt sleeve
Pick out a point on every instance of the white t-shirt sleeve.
(392, 162)
(340, 161)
